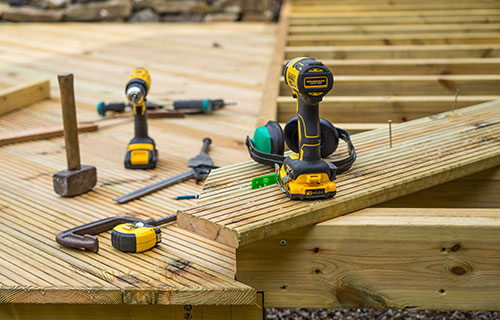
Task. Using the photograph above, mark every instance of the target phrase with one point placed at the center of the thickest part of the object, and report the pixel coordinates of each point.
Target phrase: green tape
(264, 181)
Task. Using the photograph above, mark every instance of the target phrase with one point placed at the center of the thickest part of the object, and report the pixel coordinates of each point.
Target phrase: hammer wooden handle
(69, 121)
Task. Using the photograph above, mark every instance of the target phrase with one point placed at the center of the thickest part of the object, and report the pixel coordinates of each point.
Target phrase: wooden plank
(403, 13)
(382, 258)
(479, 190)
(408, 85)
(396, 20)
(268, 107)
(413, 66)
(41, 133)
(393, 39)
(390, 29)
(468, 141)
(395, 52)
(23, 95)
(380, 2)
(437, 5)
(369, 109)
(139, 312)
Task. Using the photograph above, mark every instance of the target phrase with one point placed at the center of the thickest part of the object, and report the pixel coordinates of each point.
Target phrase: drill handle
(309, 130)
(139, 109)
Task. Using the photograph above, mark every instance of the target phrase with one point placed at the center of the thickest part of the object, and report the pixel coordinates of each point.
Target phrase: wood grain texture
(382, 258)
(426, 152)
(22, 95)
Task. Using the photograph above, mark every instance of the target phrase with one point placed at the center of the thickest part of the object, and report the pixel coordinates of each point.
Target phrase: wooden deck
(185, 62)
(399, 257)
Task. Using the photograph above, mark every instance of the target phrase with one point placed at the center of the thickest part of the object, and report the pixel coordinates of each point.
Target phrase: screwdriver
(187, 106)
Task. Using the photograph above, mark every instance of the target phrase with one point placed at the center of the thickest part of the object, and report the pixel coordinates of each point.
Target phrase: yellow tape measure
(135, 237)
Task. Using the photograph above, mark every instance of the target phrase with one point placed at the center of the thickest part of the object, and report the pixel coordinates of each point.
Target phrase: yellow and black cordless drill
(141, 151)
(305, 174)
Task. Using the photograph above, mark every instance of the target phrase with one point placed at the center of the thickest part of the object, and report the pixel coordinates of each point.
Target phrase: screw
(456, 99)
(188, 307)
(390, 133)
(282, 242)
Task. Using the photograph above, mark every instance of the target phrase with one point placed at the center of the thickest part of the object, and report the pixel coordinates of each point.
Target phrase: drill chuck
(138, 86)
(135, 95)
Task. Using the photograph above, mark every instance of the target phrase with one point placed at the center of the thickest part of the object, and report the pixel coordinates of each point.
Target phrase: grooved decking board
(426, 152)
(185, 268)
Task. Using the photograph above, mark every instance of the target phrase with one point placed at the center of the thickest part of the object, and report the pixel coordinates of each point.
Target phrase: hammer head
(70, 183)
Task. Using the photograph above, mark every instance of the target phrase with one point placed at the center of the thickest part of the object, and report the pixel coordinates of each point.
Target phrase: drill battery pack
(313, 180)
(141, 156)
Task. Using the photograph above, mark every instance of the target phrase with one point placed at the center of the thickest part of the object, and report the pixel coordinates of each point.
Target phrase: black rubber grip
(189, 104)
(141, 126)
(309, 142)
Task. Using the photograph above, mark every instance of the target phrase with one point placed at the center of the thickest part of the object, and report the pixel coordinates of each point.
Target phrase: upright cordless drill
(305, 175)
(141, 151)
